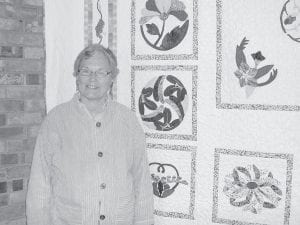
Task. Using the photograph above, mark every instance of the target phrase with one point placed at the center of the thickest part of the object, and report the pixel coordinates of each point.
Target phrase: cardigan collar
(83, 111)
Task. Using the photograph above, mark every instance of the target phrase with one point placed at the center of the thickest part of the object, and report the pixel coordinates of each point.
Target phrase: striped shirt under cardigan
(90, 171)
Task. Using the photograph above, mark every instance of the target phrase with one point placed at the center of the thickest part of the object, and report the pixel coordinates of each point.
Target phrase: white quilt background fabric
(65, 38)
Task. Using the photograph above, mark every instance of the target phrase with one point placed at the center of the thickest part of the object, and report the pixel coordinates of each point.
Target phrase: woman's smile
(92, 86)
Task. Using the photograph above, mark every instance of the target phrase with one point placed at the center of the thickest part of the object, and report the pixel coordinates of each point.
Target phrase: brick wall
(22, 102)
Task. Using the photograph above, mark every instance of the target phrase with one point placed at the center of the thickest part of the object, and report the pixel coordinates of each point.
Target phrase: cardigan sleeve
(142, 180)
(38, 201)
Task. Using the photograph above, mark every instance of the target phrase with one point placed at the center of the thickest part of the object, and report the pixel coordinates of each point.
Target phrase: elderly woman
(89, 165)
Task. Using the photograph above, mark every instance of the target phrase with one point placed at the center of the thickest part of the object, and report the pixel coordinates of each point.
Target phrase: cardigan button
(100, 154)
(102, 217)
(103, 186)
(98, 124)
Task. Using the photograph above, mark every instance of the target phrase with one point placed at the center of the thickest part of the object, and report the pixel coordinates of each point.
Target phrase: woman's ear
(116, 72)
(77, 84)
(75, 74)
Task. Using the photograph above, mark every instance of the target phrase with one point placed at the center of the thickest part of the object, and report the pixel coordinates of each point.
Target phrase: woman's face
(94, 78)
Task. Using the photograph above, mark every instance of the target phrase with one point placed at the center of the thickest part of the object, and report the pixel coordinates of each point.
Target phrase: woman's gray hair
(91, 50)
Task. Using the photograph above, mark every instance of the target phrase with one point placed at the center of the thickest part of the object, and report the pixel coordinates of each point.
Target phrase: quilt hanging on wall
(163, 80)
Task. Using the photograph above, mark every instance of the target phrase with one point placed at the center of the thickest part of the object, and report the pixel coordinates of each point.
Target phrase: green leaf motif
(181, 15)
(173, 38)
(151, 6)
(152, 29)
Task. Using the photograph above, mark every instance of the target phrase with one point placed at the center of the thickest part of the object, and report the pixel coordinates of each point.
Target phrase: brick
(32, 118)
(18, 172)
(33, 105)
(21, 145)
(2, 146)
(21, 65)
(14, 145)
(21, 158)
(33, 2)
(8, 1)
(26, 92)
(24, 118)
(29, 144)
(12, 212)
(33, 131)
(3, 187)
(17, 185)
(11, 52)
(28, 157)
(3, 176)
(19, 221)
(10, 24)
(33, 26)
(2, 119)
(17, 197)
(11, 11)
(11, 132)
(17, 38)
(3, 200)
(11, 79)
(2, 93)
(11, 105)
(34, 53)
(9, 186)
(8, 11)
(33, 79)
(28, 12)
(9, 159)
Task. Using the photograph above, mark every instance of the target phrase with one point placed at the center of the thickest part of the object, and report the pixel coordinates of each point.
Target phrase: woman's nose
(93, 76)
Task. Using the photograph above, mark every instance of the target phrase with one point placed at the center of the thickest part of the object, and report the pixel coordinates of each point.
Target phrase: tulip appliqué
(252, 189)
(249, 76)
(162, 103)
(165, 179)
(164, 23)
(290, 19)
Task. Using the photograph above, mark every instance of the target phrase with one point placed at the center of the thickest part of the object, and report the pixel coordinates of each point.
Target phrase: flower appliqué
(249, 76)
(252, 189)
(160, 35)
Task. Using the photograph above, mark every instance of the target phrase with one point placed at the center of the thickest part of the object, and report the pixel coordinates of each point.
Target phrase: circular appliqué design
(165, 179)
(163, 103)
(164, 23)
(290, 19)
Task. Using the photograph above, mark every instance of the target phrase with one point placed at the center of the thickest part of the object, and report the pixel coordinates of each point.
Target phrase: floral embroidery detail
(163, 9)
(252, 189)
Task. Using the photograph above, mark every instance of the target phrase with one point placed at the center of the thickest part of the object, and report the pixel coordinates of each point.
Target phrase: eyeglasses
(99, 74)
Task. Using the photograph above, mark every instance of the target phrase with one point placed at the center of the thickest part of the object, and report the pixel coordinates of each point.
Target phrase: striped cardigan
(90, 171)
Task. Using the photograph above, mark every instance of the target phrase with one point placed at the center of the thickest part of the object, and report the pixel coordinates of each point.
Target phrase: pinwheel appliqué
(252, 189)
(159, 35)
(249, 76)
(162, 103)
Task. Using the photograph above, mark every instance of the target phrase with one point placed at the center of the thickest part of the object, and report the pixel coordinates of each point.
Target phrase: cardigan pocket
(125, 209)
